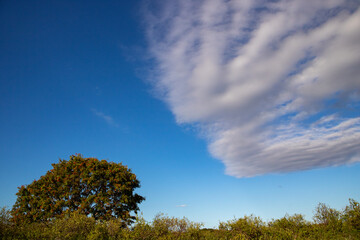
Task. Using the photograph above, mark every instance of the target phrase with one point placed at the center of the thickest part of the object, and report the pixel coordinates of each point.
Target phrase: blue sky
(221, 108)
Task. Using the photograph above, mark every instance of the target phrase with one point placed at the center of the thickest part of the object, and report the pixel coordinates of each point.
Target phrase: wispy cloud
(108, 119)
(181, 206)
(274, 86)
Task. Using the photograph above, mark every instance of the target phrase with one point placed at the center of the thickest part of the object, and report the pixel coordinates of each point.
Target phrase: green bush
(4, 222)
(74, 226)
(328, 224)
(351, 216)
(248, 227)
(288, 227)
(164, 227)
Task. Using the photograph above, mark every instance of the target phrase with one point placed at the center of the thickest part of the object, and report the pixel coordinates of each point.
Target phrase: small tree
(352, 215)
(100, 189)
(5, 226)
(326, 215)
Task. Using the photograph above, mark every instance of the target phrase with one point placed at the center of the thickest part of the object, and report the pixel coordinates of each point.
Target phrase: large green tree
(101, 189)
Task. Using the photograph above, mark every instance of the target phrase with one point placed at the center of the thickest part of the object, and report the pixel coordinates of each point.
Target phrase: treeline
(328, 223)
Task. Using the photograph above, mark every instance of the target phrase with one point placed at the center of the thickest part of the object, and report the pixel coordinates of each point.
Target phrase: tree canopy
(101, 189)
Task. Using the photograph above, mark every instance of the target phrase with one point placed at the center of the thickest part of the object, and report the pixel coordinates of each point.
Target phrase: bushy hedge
(328, 224)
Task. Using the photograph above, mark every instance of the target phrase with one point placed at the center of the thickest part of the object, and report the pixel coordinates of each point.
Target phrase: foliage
(100, 189)
(351, 215)
(326, 215)
(5, 227)
(165, 224)
(164, 227)
(84, 176)
(289, 227)
(248, 227)
(80, 226)
(328, 218)
(74, 226)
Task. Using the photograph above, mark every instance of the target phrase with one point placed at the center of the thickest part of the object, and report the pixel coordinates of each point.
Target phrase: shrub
(351, 215)
(289, 227)
(6, 227)
(73, 226)
(80, 226)
(247, 227)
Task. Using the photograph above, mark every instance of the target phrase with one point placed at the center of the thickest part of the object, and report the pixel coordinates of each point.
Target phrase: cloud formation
(274, 86)
(108, 119)
(181, 206)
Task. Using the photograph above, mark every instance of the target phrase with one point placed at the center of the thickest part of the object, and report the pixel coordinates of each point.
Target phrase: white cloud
(182, 205)
(273, 85)
(108, 119)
